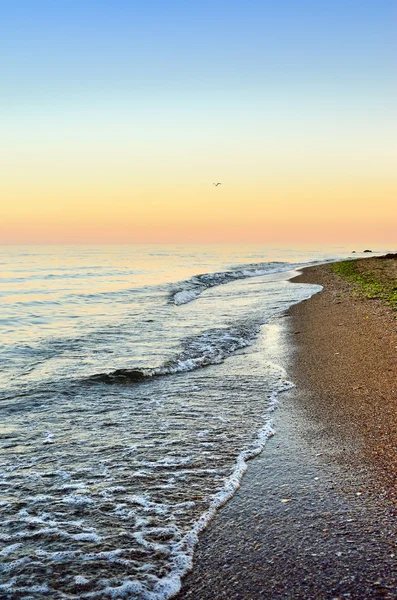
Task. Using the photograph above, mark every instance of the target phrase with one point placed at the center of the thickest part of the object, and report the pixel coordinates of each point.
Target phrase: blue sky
(63, 51)
(114, 106)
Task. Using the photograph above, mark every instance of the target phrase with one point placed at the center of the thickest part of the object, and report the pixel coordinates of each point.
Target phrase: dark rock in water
(130, 374)
(389, 255)
(120, 376)
(367, 250)
(353, 251)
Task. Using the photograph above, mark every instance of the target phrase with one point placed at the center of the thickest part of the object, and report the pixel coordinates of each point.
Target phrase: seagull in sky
(216, 184)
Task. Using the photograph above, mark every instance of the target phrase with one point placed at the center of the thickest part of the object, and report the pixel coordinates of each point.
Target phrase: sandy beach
(346, 361)
(315, 515)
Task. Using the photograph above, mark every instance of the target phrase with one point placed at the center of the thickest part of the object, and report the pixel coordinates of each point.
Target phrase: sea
(136, 384)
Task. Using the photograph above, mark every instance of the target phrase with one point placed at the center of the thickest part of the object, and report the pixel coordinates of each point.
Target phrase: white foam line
(10, 549)
(169, 586)
(192, 288)
(15, 564)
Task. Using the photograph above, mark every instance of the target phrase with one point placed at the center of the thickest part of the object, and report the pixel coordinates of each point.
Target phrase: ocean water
(135, 385)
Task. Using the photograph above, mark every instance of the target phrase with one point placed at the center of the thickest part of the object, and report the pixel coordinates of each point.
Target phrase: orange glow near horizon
(282, 181)
(299, 210)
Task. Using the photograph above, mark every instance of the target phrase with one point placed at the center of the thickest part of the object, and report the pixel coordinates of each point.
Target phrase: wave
(175, 544)
(213, 345)
(209, 348)
(181, 551)
(170, 585)
(189, 290)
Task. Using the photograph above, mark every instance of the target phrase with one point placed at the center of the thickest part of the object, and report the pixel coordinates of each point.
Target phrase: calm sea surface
(135, 383)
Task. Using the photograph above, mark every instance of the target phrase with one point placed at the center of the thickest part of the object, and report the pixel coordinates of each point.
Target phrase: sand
(315, 516)
(346, 361)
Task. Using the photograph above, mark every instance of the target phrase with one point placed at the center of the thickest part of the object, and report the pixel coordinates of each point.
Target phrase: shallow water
(132, 397)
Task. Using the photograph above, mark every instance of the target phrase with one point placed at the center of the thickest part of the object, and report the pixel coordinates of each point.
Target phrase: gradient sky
(117, 117)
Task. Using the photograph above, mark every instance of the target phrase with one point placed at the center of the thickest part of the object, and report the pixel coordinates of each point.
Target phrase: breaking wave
(189, 290)
(209, 348)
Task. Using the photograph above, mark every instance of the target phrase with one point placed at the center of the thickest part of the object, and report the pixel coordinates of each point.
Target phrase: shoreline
(353, 341)
(313, 517)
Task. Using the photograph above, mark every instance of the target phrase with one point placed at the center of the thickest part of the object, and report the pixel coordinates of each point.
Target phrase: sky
(116, 118)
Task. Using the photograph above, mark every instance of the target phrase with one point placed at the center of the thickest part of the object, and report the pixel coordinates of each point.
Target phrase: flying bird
(216, 184)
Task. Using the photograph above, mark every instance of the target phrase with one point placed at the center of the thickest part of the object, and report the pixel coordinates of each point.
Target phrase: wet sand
(315, 516)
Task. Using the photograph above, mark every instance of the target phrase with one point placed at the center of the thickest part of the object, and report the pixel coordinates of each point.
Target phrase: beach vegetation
(369, 283)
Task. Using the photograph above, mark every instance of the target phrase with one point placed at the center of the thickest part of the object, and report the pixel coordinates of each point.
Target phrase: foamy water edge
(172, 584)
(169, 586)
(182, 551)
